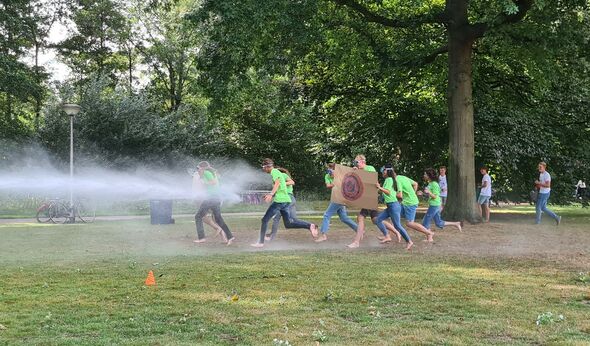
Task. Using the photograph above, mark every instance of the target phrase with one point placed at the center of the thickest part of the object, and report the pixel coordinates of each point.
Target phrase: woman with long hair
(394, 209)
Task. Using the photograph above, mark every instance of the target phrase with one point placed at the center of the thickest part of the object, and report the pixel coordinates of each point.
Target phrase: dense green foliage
(303, 82)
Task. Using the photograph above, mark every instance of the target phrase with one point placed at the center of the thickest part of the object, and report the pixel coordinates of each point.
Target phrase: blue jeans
(433, 212)
(215, 206)
(341, 210)
(393, 211)
(542, 207)
(277, 218)
(289, 221)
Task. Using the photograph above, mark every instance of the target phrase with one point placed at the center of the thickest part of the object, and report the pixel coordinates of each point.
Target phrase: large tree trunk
(461, 203)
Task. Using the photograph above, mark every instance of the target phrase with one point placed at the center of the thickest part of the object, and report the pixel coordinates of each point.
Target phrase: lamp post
(71, 110)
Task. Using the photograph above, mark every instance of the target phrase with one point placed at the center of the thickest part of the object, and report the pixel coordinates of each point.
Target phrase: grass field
(83, 284)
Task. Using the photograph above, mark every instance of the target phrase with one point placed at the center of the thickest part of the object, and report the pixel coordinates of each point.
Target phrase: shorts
(443, 200)
(409, 212)
(368, 212)
(483, 200)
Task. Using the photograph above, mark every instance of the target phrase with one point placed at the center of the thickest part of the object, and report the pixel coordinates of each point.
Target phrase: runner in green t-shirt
(434, 202)
(280, 202)
(407, 192)
(292, 207)
(393, 210)
(212, 202)
(360, 162)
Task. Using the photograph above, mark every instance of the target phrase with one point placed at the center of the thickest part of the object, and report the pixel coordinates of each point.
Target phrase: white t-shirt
(442, 182)
(486, 191)
(544, 178)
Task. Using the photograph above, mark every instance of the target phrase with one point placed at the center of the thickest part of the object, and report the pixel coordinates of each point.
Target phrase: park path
(139, 217)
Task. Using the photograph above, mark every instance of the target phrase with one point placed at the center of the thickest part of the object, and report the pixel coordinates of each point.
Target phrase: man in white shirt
(442, 182)
(483, 202)
(544, 186)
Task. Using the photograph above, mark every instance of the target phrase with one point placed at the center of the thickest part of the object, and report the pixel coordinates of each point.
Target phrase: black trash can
(161, 212)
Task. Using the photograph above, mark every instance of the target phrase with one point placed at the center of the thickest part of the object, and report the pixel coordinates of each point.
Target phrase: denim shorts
(483, 200)
(409, 212)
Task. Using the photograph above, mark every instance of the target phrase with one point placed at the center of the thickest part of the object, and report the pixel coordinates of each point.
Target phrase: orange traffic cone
(150, 280)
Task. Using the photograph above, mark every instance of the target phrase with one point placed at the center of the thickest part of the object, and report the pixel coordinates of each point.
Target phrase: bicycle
(57, 210)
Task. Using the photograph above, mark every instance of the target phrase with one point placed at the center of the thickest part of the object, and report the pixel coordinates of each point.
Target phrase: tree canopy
(312, 81)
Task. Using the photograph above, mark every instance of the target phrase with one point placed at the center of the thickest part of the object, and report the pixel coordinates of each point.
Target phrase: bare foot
(222, 235)
(267, 237)
(321, 238)
(429, 238)
(460, 226)
(399, 238)
(409, 245)
(314, 230)
(380, 237)
(353, 245)
(385, 240)
(200, 240)
(257, 245)
(229, 241)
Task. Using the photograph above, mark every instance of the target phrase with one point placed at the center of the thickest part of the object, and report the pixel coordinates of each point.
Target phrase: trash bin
(161, 212)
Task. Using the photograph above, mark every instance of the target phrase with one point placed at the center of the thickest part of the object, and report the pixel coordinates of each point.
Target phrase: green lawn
(83, 284)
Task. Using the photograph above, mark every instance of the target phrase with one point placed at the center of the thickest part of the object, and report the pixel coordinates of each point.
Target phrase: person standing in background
(544, 185)
(483, 202)
(442, 182)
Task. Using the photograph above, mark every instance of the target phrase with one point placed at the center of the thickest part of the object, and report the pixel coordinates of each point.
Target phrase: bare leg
(480, 211)
(392, 229)
(455, 224)
(487, 207)
(418, 227)
(209, 221)
(360, 220)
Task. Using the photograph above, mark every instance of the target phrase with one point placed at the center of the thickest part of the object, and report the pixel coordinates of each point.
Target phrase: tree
(169, 46)
(280, 37)
(92, 49)
(19, 83)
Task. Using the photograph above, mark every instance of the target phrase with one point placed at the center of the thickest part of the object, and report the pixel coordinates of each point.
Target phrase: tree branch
(480, 29)
(371, 16)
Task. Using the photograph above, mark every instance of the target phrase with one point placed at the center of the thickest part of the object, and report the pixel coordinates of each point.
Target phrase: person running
(544, 185)
(333, 208)
(360, 162)
(410, 201)
(208, 178)
(292, 207)
(280, 202)
(434, 203)
(196, 186)
(483, 202)
(442, 181)
(393, 210)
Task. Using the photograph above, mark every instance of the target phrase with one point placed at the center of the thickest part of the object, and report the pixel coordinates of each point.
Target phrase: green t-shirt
(289, 187)
(434, 189)
(388, 185)
(281, 196)
(404, 184)
(207, 177)
(369, 168)
(328, 179)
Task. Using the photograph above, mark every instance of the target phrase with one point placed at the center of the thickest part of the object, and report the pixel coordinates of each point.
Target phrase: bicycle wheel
(85, 212)
(43, 215)
(59, 212)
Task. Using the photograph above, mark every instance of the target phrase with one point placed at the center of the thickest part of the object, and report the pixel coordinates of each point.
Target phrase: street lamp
(71, 110)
